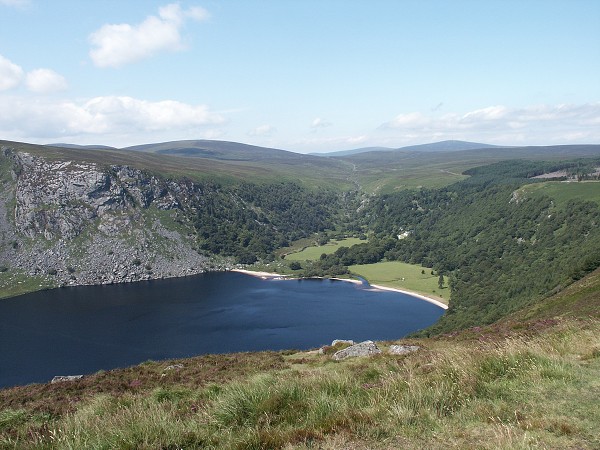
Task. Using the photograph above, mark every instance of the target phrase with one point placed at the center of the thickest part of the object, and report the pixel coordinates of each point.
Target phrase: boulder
(61, 378)
(403, 349)
(366, 348)
(342, 341)
(335, 342)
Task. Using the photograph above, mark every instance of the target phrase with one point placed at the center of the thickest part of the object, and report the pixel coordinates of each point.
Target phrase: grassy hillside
(385, 172)
(562, 192)
(514, 384)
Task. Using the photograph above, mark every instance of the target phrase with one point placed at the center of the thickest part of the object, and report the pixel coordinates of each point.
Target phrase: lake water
(84, 329)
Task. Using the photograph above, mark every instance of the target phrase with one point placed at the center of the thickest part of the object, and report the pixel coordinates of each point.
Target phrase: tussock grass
(514, 392)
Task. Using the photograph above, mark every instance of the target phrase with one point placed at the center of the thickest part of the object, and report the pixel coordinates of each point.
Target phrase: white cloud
(44, 81)
(115, 45)
(263, 130)
(410, 120)
(110, 116)
(534, 124)
(320, 123)
(10, 74)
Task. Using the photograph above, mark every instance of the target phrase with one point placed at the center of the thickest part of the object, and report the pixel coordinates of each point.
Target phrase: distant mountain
(220, 161)
(404, 158)
(447, 146)
(221, 150)
(443, 146)
(354, 151)
(82, 147)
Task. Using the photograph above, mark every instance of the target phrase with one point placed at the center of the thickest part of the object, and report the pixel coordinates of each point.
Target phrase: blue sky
(305, 76)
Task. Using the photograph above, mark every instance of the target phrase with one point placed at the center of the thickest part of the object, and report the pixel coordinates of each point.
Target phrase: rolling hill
(372, 169)
(216, 161)
(223, 150)
(442, 146)
(389, 171)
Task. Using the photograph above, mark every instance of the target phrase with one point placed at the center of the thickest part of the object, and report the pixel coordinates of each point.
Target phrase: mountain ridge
(440, 146)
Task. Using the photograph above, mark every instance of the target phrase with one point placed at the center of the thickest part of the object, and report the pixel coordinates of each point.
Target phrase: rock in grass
(336, 344)
(403, 349)
(61, 378)
(366, 348)
(342, 341)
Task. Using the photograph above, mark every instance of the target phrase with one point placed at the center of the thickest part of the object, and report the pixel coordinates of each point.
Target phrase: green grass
(313, 253)
(385, 180)
(13, 283)
(562, 192)
(401, 275)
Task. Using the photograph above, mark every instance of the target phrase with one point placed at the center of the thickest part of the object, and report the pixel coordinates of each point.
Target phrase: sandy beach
(263, 275)
(270, 275)
(412, 294)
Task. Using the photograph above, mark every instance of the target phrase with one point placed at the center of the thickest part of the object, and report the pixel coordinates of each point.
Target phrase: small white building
(403, 235)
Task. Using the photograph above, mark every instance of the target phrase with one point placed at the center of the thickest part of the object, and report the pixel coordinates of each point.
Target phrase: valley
(515, 257)
(281, 225)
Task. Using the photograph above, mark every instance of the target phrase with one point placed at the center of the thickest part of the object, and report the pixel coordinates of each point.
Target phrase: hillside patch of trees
(498, 253)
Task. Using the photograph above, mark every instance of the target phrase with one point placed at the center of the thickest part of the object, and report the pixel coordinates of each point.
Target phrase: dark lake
(83, 329)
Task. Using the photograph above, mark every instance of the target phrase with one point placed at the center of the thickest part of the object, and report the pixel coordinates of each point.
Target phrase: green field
(314, 252)
(13, 283)
(401, 275)
(562, 192)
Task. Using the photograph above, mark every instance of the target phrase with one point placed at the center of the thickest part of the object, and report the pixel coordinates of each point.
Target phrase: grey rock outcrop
(366, 348)
(63, 378)
(342, 341)
(78, 223)
(59, 198)
(403, 349)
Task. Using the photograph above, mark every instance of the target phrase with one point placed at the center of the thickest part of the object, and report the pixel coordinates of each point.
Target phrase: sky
(300, 75)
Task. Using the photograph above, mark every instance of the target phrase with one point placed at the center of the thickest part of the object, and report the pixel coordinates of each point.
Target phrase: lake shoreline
(270, 275)
(213, 313)
(411, 293)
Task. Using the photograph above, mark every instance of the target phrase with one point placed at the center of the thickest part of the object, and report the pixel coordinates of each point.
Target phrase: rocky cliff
(80, 222)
